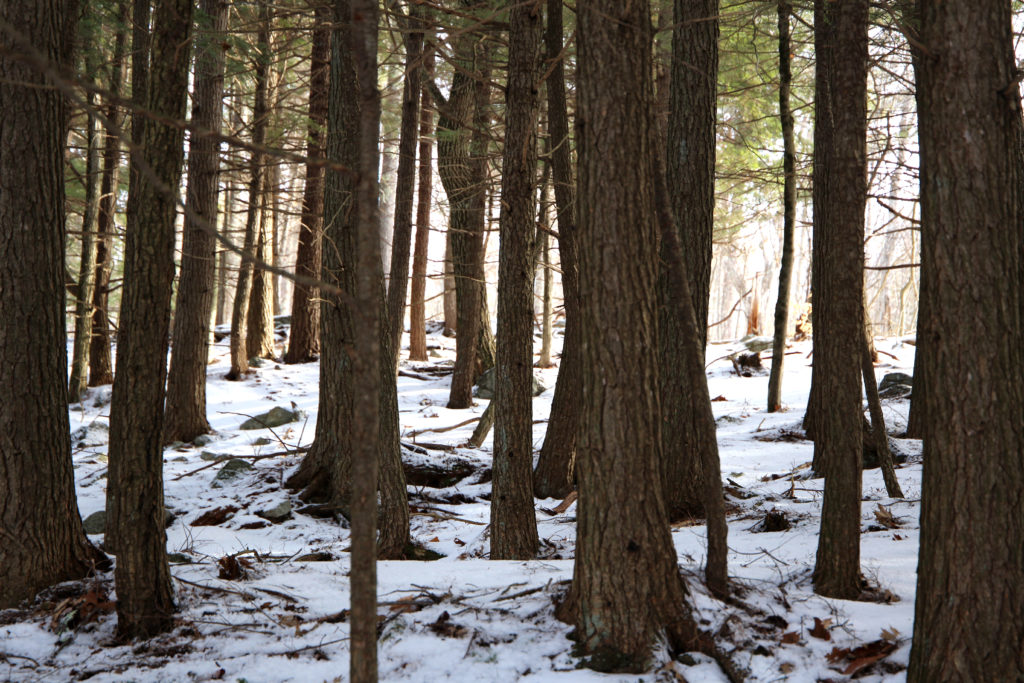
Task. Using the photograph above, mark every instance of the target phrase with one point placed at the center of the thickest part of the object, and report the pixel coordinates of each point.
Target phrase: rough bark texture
(417, 305)
(304, 339)
(691, 143)
(840, 193)
(554, 475)
(326, 472)
(785, 10)
(101, 369)
(451, 316)
(259, 335)
(879, 436)
(145, 597)
(405, 187)
(240, 311)
(543, 251)
(513, 519)
(367, 357)
(626, 582)
(185, 410)
(691, 182)
(461, 163)
(87, 270)
(969, 613)
(40, 530)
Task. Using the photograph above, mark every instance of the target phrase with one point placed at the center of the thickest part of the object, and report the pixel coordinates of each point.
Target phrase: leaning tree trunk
(259, 335)
(691, 175)
(145, 598)
(185, 411)
(969, 612)
(85, 290)
(401, 236)
(304, 339)
(513, 518)
(840, 194)
(626, 584)
(785, 9)
(417, 305)
(42, 544)
(246, 267)
(555, 475)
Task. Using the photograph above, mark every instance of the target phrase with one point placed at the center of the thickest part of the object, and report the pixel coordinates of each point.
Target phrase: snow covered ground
(464, 617)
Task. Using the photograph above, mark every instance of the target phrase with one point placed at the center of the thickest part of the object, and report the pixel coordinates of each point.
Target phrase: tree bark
(240, 311)
(185, 411)
(451, 316)
(785, 10)
(840, 194)
(368, 357)
(405, 184)
(555, 472)
(145, 602)
(547, 279)
(691, 177)
(626, 582)
(417, 305)
(878, 433)
(42, 543)
(304, 340)
(969, 612)
(513, 518)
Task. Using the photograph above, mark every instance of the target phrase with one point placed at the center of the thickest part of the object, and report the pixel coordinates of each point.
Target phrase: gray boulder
(230, 471)
(275, 417)
(895, 384)
(93, 434)
(277, 514)
(96, 523)
(485, 386)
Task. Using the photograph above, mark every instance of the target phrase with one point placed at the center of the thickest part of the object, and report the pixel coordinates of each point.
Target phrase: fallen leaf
(890, 634)
(720, 398)
(787, 667)
(885, 518)
(435, 539)
(837, 655)
(820, 629)
(459, 541)
(215, 516)
(790, 638)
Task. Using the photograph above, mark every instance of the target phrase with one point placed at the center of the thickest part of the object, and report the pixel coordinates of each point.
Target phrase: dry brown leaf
(787, 667)
(885, 518)
(790, 638)
(719, 398)
(890, 634)
(837, 655)
(820, 629)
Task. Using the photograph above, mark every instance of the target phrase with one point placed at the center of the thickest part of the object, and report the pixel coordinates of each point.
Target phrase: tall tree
(969, 613)
(145, 597)
(691, 177)
(462, 165)
(185, 411)
(513, 518)
(555, 472)
(626, 584)
(405, 185)
(840, 194)
(304, 339)
(42, 543)
(368, 356)
(785, 11)
(417, 304)
(101, 369)
(243, 288)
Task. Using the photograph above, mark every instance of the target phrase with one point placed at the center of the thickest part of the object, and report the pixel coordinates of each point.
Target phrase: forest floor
(282, 615)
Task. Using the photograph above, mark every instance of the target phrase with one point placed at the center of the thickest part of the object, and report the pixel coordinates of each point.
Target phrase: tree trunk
(969, 613)
(547, 286)
(367, 357)
(691, 166)
(513, 518)
(401, 237)
(691, 139)
(246, 268)
(101, 369)
(145, 602)
(326, 473)
(461, 161)
(222, 255)
(42, 544)
(554, 475)
(87, 272)
(185, 411)
(878, 433)
(417, 305)
(304, 340)
(785, 9)
(626, 583)
(840, 194)
(259, 336)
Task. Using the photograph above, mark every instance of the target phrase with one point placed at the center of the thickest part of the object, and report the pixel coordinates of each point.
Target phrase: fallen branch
(299, 449)
(444, 429)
